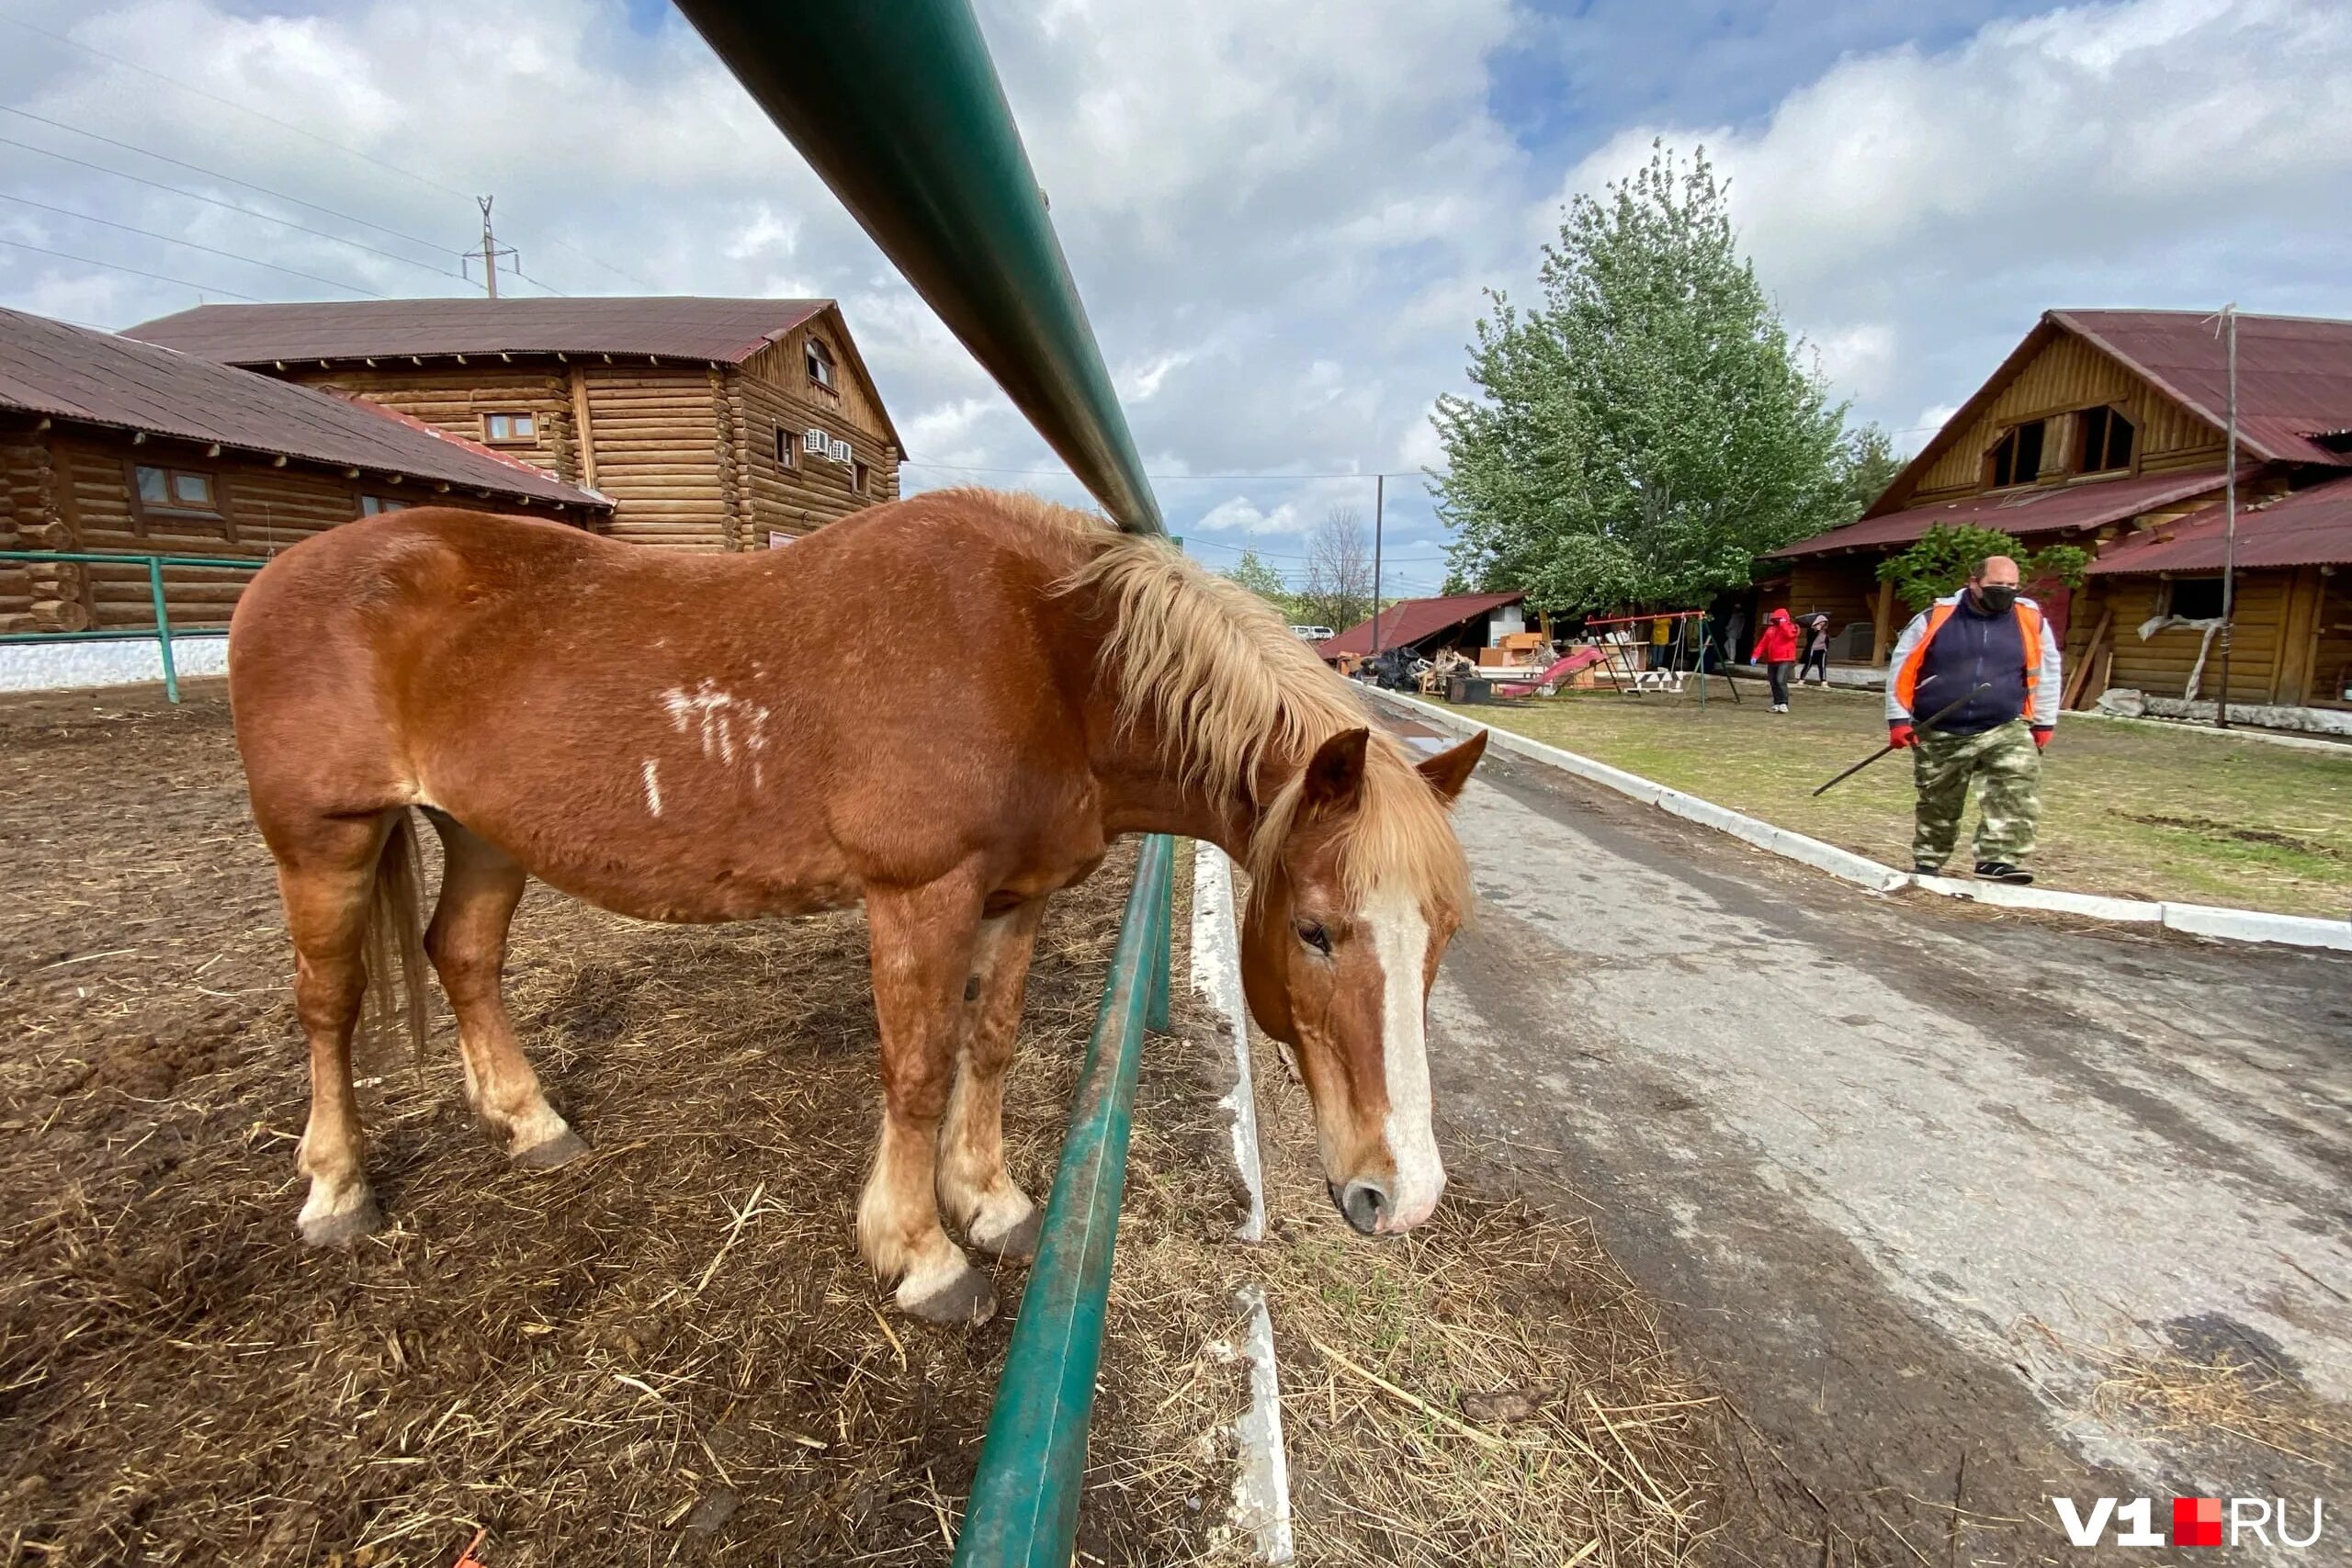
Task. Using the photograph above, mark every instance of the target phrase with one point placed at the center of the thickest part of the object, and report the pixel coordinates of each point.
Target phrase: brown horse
(692, 737)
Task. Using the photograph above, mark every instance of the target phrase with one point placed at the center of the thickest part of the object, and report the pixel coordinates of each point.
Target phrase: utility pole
(491, 249)
(2229, 520)
(1379, 494)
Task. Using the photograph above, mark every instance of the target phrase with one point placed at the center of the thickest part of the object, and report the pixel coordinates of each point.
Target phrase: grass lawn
(2127, 809)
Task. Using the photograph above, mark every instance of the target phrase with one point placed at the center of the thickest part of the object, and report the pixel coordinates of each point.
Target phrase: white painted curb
(2195, 919)
(1216, 975)
(1261, 1484)
(1262, 1478)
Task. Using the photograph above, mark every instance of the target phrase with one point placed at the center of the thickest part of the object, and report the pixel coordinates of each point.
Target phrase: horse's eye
(1312, 933)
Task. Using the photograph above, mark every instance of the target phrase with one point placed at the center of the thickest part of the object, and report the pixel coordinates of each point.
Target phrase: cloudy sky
(1281, 215)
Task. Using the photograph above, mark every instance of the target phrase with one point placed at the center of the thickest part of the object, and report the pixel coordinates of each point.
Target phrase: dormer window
(821, 364)
(2016, 458)
(2107, 442)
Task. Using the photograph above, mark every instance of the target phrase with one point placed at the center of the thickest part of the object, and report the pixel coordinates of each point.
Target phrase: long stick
(1929, 724)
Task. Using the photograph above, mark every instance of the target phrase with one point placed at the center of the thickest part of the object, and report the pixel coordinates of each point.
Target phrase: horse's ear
(1450, 770)
(1335, 774)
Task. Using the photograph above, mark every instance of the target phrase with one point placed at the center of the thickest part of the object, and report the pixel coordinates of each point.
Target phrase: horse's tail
(396, 939)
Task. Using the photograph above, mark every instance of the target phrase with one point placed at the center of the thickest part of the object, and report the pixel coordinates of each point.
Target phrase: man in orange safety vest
(1992, 652)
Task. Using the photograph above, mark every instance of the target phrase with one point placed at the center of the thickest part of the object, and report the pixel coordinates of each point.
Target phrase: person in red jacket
(1776, 649)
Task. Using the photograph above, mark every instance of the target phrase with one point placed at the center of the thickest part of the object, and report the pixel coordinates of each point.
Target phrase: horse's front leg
(922, 949)
(978, 1191)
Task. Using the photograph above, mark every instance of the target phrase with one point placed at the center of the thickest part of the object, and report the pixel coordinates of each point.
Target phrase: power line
(231, 103)
(230, 206)
(549, 287)
(215, 174)
(117, 267)
(425, 180)
(191, 244)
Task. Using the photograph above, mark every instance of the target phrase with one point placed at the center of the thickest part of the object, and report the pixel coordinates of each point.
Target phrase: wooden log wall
(27, 521)
(453, 396)
(2331, 658)
(805, 492)
(2066, 375)
(2260, 651)
(267, 508)
(662, 454)
(1845, 586)
(853, 401)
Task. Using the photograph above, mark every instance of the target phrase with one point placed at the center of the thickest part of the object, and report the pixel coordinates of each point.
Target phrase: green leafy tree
(1263, 581)
(1646, 430)
(1867, 465)
(1945, 554)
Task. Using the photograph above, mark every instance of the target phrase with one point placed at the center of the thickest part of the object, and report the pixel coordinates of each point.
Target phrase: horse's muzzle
(1364, 1204)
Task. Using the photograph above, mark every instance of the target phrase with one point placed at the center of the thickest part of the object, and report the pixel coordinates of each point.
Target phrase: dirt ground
(670, 1352)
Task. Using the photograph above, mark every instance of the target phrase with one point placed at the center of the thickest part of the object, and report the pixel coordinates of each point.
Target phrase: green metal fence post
(163, 628)
(1155, 1013)
(1024, 1509)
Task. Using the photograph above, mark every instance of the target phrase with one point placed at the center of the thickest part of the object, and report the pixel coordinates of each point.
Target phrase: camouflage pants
(2009, 805)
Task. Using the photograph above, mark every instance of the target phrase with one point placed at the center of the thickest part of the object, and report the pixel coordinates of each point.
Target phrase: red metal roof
(71, 373)
(2294, 372)
(2308, 527)
(2043, 509)
(1413, 619)
(721, 331)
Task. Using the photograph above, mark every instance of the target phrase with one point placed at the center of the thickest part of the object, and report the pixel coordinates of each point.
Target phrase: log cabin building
(712, 425)
(2106, 429)
(110, 445)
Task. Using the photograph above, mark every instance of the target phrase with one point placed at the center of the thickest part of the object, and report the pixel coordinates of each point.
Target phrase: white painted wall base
(126, 661)
(1216, 975)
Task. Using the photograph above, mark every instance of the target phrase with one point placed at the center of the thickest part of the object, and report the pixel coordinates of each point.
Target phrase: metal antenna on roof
(491, 249)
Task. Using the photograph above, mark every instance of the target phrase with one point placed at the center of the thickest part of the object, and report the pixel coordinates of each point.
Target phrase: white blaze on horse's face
(1343, 977)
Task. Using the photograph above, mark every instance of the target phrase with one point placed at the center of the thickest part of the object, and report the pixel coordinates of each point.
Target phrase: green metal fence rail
(161, 631)
(1023, 1508)
(897, 107)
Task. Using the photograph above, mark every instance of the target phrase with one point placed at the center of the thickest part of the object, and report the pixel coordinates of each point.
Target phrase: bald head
(1995, 571)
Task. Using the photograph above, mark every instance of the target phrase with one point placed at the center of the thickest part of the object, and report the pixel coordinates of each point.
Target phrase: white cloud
(1916, 212)
(1281, 225)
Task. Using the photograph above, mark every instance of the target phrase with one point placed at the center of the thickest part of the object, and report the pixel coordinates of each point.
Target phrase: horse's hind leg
(980, 1193)
(326, 874)
(923, 943)
(480, 885)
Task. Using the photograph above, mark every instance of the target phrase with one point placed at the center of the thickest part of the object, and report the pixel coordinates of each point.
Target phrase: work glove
(2041, 734)
(1901, 737)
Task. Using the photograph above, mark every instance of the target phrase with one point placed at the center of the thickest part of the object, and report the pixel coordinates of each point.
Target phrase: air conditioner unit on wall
(840, 452)
(814, 442)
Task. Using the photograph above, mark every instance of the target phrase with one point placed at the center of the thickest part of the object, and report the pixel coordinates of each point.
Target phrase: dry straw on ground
(670, 1352)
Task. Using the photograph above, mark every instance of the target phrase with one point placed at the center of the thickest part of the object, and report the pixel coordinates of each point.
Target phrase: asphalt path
(1955, 1206)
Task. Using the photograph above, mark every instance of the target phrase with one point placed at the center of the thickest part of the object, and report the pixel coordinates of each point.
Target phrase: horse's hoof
(1019, 1245)
(967, 1300)
(341, 1229)
(561, 1149)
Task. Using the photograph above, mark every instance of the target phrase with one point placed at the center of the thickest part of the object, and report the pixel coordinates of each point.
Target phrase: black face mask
(1997, 597)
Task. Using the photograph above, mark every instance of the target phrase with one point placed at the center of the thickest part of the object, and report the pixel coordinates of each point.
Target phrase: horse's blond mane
(1246, 702)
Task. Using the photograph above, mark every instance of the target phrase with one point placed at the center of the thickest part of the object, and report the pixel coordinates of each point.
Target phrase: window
(370, 505)
(786, 441)
(2195, 599)
(510, 429)
(821, 364)
(2017, 459)
(176, 490)
(2107, 442)
(857, 478)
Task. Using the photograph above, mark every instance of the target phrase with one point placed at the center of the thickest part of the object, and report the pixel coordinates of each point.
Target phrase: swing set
(1624, 674)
